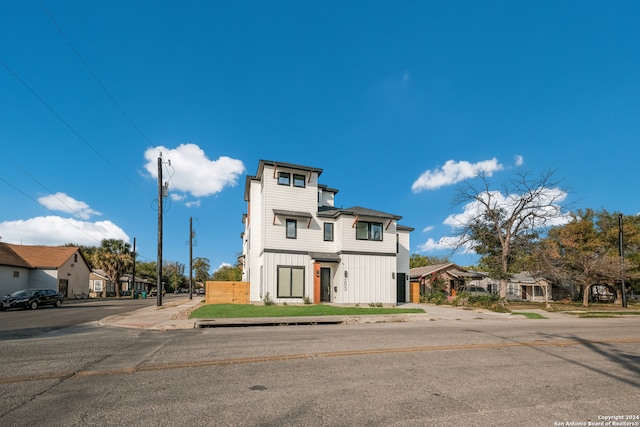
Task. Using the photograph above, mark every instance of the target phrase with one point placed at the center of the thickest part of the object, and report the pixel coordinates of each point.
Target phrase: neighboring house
(524, 286)
(297, 245)
(451, 275)
(100, 285)
(62, 268)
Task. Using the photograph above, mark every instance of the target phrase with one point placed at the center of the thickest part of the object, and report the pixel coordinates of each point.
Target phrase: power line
(64, 219)
(71, 128)
(74, 211)
(95, 77)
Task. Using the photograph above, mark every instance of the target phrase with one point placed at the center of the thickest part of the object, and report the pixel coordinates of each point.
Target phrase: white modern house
(297, 245)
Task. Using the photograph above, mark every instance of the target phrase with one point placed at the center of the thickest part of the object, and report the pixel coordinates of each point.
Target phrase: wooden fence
(227, 292)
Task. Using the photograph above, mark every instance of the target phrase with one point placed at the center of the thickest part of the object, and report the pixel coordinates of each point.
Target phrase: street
(19, 323)
(465, 373)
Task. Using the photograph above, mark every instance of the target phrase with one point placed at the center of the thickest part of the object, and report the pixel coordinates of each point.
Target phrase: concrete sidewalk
(174, 315)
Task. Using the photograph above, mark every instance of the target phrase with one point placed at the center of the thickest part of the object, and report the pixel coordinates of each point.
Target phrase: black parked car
(31, 298)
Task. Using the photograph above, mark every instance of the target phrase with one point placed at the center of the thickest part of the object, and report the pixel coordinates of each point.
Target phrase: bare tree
(502, 225)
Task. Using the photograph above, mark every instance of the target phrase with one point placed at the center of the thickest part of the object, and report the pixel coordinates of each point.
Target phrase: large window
(290, 282)
(328, 232)
(292, 229)
(284, 178)
(368, 230)
(298, 180)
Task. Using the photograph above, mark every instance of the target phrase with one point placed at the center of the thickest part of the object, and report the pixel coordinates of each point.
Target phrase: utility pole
(159, 261)
(133, 272)
(190, 257)
(620, 240)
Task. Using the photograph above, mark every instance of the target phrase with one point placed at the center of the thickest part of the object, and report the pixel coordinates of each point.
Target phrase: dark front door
(63, 287)
(401, 287)
(325, 284)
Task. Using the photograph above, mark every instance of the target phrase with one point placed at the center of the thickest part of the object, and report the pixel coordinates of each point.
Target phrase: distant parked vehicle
(125, 293)
(154, 292)
(32, 299)
(200, 291)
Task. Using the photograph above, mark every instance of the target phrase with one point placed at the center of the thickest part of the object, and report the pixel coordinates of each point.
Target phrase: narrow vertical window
(292, 226)
(284, 178)
(298, 180)
(328, 232)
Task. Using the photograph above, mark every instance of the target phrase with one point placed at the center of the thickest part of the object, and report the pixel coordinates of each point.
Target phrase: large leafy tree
(417, 260)
(173, 275)
(228, 272)
(201, 268)
(502, 225)
(585, 251)
(148, 270)
(115, 258)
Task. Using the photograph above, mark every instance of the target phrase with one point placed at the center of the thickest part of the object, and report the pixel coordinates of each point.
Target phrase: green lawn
(214, 311)
(529, 315)
(601, 314)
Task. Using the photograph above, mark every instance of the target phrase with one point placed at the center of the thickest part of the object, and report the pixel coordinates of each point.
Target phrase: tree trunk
(585, 296)
(503, 289)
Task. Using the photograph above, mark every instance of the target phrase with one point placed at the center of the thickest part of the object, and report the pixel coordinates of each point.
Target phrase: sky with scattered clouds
(398, 102)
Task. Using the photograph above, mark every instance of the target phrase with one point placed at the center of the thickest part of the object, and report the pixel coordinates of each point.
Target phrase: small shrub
(266, 300)
(375, 304)
(306, 300)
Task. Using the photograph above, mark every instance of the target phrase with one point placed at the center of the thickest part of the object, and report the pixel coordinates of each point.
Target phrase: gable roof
(333, 212)
(10, 258)
(451, 268)
(44, 256)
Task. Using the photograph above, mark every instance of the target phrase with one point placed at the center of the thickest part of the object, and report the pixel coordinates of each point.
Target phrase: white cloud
(446, 243)
(67, 204)
(427, 229)
(519, 160)
(55, 230)
(224, 264)
(453, 172)
(195, 203)
(191, 170)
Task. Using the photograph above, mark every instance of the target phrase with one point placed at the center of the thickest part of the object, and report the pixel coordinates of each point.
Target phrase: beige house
(451, 275)
(61, 268)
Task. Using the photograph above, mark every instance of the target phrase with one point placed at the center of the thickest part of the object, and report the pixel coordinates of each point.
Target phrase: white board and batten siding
(274, 260)
(368, 279)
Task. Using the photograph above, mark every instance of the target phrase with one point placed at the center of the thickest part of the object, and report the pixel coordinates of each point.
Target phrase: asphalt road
(434, 373)
(19, 323)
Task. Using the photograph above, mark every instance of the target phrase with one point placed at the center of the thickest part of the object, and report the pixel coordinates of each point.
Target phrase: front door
(401, 287)
(325, 284)
(63, 287)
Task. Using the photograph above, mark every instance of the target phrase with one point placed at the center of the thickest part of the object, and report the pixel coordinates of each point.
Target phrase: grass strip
(226, 311)
(530, 315)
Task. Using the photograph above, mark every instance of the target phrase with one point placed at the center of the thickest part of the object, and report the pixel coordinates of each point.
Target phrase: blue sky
(395, 101)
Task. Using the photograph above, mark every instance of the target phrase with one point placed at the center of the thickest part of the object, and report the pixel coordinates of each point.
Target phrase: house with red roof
(61, 268)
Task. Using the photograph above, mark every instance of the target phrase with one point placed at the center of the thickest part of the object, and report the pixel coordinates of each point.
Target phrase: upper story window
(292, 229)
(328, 232)
(284, 178)
(298, 180)
(16, 274)
(368, 230)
